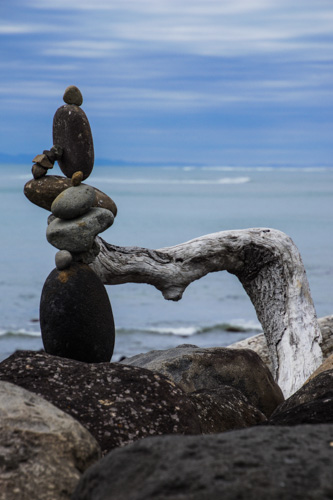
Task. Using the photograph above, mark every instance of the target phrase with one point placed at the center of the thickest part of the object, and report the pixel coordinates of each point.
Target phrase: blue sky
(216, 82)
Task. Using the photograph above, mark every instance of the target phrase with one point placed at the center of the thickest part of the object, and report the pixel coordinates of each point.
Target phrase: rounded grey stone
(73, 202)
(63, 259)
(73, 95)
(77, 235)
(43, 450)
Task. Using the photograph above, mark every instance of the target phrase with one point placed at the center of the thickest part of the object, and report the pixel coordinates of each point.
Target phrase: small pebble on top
(77, 178)
(63, 259)
(73, 95)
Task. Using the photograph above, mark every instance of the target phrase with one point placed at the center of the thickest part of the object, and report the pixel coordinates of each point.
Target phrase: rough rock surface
(77, 235)
(42, 192)
(258, 342)
(43, 451)
(224, 409)
(324, 367)
(311, 404)
(194, 368)
(71, 131)
(76, 317)
(117, 404)
(260, 463)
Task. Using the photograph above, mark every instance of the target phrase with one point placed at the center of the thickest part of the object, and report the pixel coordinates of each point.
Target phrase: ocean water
(160, 207)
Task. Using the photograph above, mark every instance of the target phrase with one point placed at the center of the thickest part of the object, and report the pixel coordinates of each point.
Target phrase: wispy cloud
(218, 28)
(24, 29)
(143, 61)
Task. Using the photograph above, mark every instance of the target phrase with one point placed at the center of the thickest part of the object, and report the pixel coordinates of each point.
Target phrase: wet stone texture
(71, 131)
(260, 463)
(224, 409)
(42, 192)
(118, 404)
(76, 316)
(194, 368)
(311, 404)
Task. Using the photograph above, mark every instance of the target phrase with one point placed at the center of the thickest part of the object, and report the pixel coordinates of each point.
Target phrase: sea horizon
(164, 206)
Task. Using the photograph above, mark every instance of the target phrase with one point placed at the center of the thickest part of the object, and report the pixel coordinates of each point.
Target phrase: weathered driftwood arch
(270, 268)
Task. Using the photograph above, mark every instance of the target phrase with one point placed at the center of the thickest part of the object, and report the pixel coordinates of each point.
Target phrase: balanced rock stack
(75, 312)
(76, 221)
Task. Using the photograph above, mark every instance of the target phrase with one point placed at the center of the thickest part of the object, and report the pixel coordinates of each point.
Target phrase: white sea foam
(238, 325)
(21, 332)
(183, 331)
(145, 181)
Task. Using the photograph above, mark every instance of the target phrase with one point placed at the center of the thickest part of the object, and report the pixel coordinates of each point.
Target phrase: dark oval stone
(71, 131)
(76, 316)
(42, 192)
(73, 95)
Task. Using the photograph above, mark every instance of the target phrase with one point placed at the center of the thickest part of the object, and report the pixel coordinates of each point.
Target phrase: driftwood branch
(270, 268)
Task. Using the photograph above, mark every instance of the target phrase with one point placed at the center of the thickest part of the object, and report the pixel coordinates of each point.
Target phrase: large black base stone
(75, 315)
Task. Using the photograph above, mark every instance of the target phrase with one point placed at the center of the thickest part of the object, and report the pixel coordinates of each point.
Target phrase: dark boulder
(117, 404)
(224, 409)
(42, 192)
(311, 404)
(76, 317)
(71, 131)
(260, 463)
(194, 368)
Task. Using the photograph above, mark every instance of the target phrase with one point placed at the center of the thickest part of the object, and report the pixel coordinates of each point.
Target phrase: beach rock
(73, 202)
(57, 151)
(63, 259)
(77, 178)
(42, 192)
(259, 463)
(324, 367)
(326, 328)
(258, 343)
(87, 257)
(43, 451)
(224, 409)
(76, 317)
(118, 404)
(71, 131)
(77, 235)
(73, 95)
(38, 171)
(194, 368)
(50, 154)
(43, 161)
(311, 404)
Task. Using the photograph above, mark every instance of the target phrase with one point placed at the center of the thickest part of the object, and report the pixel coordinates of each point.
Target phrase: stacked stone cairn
(75, 312)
